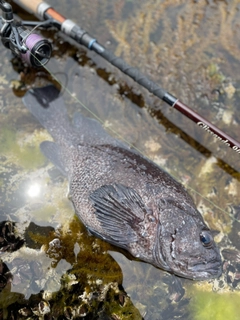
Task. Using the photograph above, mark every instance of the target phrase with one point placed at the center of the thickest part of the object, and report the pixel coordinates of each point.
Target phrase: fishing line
(74, 97)
(40, 24)
(46, 12)
(36, 51)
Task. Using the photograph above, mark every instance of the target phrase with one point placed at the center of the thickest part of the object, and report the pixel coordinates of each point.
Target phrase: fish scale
(123, 197)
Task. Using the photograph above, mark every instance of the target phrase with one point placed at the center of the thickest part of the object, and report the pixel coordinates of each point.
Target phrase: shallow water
(61, 272)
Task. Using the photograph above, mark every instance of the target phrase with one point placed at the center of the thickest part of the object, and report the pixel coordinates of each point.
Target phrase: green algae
(214, 306)
(93, 285)
(44, 213)
(94, 278)
(31, 157)
(215, 74)
(27, 156)
(92, 261)
(7, 140)
(36, 236)
(7, 298)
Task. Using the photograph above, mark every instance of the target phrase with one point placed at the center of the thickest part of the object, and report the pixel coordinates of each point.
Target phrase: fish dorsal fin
(119, 209)
(91, 131)
(52, 151)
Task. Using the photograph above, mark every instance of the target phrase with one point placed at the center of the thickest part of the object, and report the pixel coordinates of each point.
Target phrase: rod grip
(31, 6)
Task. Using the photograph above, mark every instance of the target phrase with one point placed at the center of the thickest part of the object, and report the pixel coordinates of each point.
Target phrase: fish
(123, 197)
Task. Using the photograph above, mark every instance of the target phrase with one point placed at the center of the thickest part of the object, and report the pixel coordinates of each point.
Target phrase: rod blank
(70, 28)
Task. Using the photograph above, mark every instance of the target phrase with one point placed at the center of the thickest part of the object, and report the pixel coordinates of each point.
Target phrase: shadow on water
(51, 268)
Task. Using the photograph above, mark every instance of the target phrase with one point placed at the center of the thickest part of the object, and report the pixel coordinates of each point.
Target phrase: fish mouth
(203, 271)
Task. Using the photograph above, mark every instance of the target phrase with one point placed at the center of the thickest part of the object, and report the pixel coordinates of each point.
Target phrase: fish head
(185, 245)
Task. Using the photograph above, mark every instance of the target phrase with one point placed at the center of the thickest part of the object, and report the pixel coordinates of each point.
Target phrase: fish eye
(206, 238)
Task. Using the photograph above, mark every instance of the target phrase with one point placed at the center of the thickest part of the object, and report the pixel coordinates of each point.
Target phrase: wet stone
(231, 267)
(31, 233)
(9, 241)
(5, 275)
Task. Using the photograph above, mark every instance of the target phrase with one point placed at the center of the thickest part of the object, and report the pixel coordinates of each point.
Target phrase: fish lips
(196, 268)
(204, 271)
(201, 272)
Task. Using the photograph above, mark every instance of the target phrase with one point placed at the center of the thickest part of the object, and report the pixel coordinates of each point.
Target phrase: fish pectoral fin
(108, 238)
(52, 151)
(119, 209)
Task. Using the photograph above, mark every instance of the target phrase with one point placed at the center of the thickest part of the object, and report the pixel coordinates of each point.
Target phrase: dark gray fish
(123, 197)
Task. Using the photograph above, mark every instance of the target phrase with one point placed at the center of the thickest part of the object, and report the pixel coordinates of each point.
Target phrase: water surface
(61, 272)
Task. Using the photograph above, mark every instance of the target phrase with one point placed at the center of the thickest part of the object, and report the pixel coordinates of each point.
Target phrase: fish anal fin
(52, 151)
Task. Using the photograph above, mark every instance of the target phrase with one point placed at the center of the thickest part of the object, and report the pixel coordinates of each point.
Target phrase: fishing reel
(30, 47)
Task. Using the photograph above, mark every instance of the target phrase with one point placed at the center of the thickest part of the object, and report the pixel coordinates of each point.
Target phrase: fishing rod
(46, 12)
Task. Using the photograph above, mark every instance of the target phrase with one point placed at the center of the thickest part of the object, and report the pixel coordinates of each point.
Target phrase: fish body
(123, 197)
